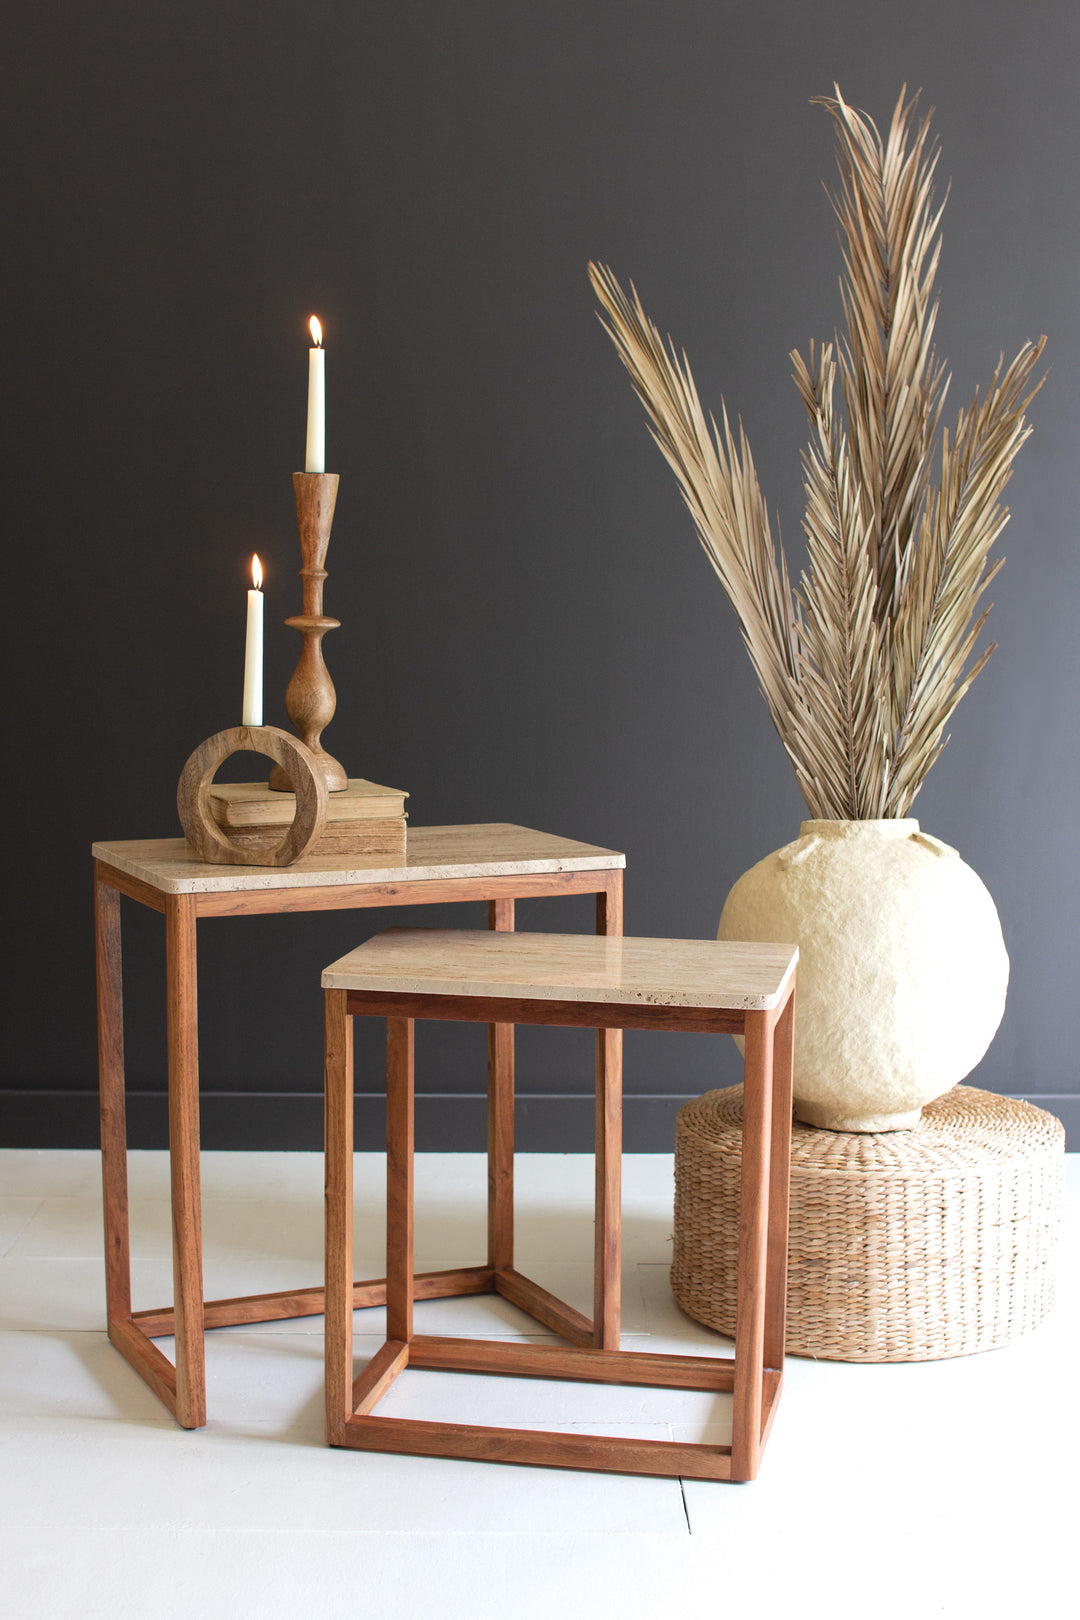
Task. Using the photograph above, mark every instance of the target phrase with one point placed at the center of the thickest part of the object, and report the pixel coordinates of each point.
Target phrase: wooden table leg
(609, 904)
(500, 1121)
(110, 1013)
(608, 1232)
(338, 1170)
(400, 1051)
(779, 1187)
(753, 1234)
(183, 1044)
(607, 1280)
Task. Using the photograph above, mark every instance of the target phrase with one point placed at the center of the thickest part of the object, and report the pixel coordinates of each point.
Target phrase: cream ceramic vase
(902, 967)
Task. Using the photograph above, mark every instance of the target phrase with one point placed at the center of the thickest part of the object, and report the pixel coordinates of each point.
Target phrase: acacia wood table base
(609, 985)
(492, 862)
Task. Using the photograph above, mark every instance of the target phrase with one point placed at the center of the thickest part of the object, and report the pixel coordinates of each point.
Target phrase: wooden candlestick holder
(310, 699)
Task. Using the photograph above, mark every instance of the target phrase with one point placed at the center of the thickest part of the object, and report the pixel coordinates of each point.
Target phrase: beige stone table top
(485, 849)
(566, 967)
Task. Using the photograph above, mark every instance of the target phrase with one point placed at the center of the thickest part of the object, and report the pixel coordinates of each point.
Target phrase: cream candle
(315, 457)
(253, 650)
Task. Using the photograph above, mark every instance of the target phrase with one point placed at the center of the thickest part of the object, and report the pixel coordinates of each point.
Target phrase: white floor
(945, 1488)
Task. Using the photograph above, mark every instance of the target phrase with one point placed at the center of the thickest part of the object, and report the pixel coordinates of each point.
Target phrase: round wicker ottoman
(905, 1245)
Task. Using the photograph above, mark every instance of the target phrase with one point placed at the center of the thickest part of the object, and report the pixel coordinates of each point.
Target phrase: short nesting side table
(493, 862)
(708, 987)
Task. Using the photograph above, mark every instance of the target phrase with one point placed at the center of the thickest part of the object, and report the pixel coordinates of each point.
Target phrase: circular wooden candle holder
(298, 767)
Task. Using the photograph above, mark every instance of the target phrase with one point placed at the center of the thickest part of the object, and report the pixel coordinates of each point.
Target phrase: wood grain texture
(382, 841)
(356, 896)
(338, 1242)
(290, 1302)
(498, 1357)
(132, 888)
(310, 699)
(753, 1244)
(779, 1185)
(564, 1014)
(182, 1035)
(755, 1386)
(544, 1307)
(447, 1284)
(390, 1359)
(215, 844)
(152, 1367)
(609, 905)
(772, 1384)
(500, 1120)
(607, 1258)
(500, 1145)
(491, 862)
(400, 1065)
(110, 1023)
(246, 805)
(613, 1455)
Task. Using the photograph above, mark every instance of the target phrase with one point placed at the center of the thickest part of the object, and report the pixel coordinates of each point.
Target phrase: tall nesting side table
(693, 986)
(494, 862)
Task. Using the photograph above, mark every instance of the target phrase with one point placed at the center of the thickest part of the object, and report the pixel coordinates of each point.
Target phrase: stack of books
(363, 820)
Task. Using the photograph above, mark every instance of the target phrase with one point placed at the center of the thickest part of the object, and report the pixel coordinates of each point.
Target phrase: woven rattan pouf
(905, 1245)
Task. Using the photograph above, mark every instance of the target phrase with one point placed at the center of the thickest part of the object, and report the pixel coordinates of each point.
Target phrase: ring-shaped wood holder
(299, 764)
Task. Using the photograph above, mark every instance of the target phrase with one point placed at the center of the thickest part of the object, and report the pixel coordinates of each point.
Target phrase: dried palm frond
(864, 663)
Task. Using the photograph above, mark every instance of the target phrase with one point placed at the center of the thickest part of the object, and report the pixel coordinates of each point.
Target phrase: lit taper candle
(253, 650)
(315, 457)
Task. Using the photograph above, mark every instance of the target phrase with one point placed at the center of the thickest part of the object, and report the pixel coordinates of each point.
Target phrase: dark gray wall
(531, 632)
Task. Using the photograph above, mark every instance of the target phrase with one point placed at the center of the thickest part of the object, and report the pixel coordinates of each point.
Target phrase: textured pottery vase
(902, 967)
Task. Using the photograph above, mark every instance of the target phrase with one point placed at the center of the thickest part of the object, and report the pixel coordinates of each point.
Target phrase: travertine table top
(565, 967)
(484, 849)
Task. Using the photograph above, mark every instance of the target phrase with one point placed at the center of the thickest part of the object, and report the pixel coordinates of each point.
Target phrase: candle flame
(256, 572)
(316, 330)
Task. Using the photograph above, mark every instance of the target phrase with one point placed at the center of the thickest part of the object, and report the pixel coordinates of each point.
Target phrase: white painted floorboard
(944, 1488)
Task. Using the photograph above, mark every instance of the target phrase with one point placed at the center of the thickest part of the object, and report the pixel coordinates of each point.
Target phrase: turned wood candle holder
(310, 699)
(301, 774)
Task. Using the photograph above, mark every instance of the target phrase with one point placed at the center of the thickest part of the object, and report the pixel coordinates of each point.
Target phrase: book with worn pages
(239, 805)
(364, 819)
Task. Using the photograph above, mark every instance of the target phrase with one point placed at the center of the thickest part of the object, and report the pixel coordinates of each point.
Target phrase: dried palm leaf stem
(863, 663)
